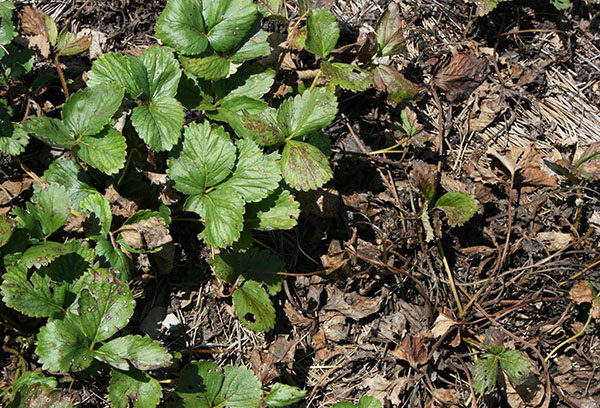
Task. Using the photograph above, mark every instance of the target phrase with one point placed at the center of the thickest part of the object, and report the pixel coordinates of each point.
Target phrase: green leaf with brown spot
(304, 167)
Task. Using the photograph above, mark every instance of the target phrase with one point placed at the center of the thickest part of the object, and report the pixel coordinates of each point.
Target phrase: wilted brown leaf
(422, 177)
(352, 304)
(120, 206)
(459, 75)
(413, 349)
(263, 365)
(398, 88)
(12, 188)
(581, 292)
(295, 317)
(33, 22)
(147, 234)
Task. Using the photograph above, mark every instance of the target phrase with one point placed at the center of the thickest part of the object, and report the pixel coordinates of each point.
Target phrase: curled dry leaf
(460, 75)
(353, 305)
(120, 206)
(581, 292)
(413, 349)
(33, 26)
(147, 234)
(263, 365)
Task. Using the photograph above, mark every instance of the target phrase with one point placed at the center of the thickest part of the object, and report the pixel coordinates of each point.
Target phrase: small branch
(61, 76)
(450, 277)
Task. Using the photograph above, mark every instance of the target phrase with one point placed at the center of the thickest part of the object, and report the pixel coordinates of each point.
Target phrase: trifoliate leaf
(228, 22)
(206, 159)
(390, 40)
(62, 347)
(181, 26)
(322, 32)
(279, 211)
(105, 151)
(485, 372)
(283, 395)
(13, 138)
(389, 80)
(307, 113)
(88, 111)
(42, 254)
(515, 365)
(253, 306)
(36, 296)
(347, 76)
(51, 131)
(248, 83)
(458, 206)
(223, 213)
(113, 258)
(68, 174)
(6, 229)
(40, 395)
(103, 307)
(256, 175)
(159, 123)
(134, 389)
(99, 208)
(257, 46)
(162, 73)
(203, 384)
(260, 266)
(262, 127)
(143, 352)
(304, 167)
(124, 69)
(211, 67)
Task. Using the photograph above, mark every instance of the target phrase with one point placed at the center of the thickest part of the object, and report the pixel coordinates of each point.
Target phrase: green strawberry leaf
(253, 306)
(347, 76)
(322, 32)
(211, 67)
(63, 347)
(390, 40)
(102, 308)
(40, 395)
(89, 110)
(105, 151)
(304, 167)
(389, 80)
(560, 4)
(99, 208)
(113, 258)
(250, 82)
(120, 68)
(307, 113)
(162, 73)
(181, 27)
(223, 213)
(262, 127)
(228, 22)
(37, 296)
(7, 29)
(364, 402)
(204, 384)
(68, 44)
(279, 211)
(30, 378)
(133, 389)
(6, 229)
(13, 138)
(194, 93)
(256, 47)
(144, 353)
(485, 373)
(68, 174)
(282, 395)
(515, 365)
(159, 123)
(50, 131)
(257, 266)
(49, 206)
(44, 253)
(256, 175)
(458, 206)
(207, 158)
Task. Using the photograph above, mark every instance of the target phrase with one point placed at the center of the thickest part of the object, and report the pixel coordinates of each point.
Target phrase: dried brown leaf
(422, 177)
(352, 304)
(263, 365)
(413, 349)
(296, 317)
(581, 292)
(33, 22)
(460, 75)
(147, 234)
(10, 189)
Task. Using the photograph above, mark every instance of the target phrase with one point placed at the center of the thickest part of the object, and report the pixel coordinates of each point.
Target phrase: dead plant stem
(450, 277)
